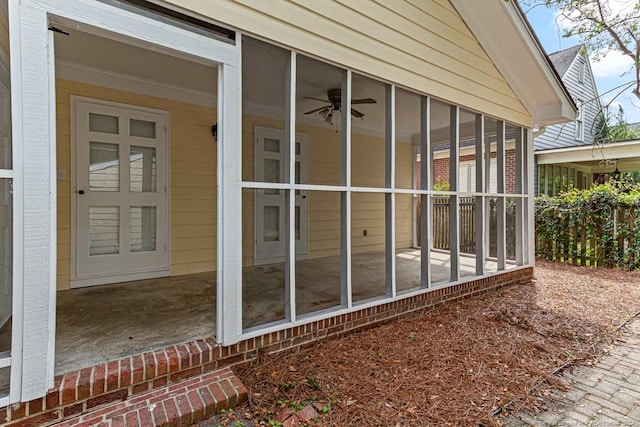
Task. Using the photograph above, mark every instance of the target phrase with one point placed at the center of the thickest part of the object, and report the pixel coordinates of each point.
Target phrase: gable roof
(504, 31)
(563, 59)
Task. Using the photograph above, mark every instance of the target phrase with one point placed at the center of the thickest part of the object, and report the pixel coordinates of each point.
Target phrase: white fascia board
(504, 34)
(620, 150)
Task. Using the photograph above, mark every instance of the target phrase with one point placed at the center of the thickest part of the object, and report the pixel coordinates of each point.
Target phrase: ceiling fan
(334, 100)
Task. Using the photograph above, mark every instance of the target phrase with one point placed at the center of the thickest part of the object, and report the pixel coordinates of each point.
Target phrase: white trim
(229, 196)
(33, 96)
(6, 174)
(615, 150)
(109, 79)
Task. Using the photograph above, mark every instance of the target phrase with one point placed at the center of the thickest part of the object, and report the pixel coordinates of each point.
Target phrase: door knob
(80, 191)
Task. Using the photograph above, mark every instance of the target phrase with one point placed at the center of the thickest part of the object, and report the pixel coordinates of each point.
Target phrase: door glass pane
(103, 123)
(104, 230)
(143, 228)
(272, 145)
(271, 224)
(6, 260)
(271, 173)
(104, 167)
(297, 177)
(5, 127)
(142, 169)
(142, 128)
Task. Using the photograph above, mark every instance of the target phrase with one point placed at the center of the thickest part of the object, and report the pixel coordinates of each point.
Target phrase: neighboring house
(240, 177)
(565, 153)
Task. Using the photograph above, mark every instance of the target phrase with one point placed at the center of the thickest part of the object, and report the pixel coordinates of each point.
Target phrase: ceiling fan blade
(357, 114)
(315, 111)
(363, 101)
(317, 99)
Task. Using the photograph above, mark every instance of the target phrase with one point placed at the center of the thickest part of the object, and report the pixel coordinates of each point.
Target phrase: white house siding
(564, 135)
(424, 46)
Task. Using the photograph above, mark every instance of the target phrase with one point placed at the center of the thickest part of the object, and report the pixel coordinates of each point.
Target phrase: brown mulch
(465, 363)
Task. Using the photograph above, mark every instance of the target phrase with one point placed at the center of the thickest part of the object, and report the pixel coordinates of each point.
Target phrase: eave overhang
(505, 34)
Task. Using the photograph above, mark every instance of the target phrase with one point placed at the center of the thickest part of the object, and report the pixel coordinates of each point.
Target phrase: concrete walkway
(607, 394)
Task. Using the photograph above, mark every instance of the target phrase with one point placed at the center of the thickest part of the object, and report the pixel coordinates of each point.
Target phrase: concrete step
(180, 404)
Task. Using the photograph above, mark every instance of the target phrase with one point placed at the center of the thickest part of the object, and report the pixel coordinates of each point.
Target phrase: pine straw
(459, 363)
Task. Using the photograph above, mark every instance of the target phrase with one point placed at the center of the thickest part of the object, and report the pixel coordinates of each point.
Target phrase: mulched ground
(466, 363)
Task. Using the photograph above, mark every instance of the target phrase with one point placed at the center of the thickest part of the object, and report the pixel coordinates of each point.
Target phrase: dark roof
(562, 59)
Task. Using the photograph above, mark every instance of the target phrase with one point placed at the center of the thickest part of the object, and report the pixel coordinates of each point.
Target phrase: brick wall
(92, 388)
(441, 169)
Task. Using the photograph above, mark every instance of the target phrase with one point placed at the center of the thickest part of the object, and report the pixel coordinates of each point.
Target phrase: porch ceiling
(86, 53)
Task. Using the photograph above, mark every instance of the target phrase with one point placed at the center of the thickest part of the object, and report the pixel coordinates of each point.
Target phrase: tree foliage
(608, 129)
(603, 26)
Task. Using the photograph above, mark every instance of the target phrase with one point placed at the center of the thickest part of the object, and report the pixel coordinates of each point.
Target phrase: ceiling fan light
(329, 118)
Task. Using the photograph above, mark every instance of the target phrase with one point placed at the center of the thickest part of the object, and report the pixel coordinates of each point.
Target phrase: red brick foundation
(95, 388)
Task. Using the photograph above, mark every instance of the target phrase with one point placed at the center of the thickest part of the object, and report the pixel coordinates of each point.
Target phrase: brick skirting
(93, 388)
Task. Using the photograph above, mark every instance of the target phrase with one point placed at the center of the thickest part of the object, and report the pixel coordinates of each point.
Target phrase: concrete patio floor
(102, 323)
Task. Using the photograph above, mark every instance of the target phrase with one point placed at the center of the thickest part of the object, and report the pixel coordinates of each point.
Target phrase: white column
(33, 123)
(229, 258)
(390, 198)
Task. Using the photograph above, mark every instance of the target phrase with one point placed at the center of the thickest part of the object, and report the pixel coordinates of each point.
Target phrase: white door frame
(34, 131)
(264, 255)
(118, 272)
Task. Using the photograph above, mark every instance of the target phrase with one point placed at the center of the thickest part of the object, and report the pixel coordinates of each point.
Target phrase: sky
(608, 72)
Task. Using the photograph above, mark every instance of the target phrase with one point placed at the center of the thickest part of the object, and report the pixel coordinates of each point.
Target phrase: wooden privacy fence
(441, 206)
(596, 236)
(468, 207)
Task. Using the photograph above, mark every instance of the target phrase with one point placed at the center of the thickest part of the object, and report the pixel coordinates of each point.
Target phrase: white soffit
(611, 151)
(507, 38)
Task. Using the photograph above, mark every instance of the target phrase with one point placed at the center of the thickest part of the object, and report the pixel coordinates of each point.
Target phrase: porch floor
(102, 323)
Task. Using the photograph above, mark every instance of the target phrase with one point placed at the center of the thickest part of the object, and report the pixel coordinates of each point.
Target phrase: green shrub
(600, 223)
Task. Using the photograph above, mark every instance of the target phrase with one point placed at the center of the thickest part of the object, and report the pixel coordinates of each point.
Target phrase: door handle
(80, 191)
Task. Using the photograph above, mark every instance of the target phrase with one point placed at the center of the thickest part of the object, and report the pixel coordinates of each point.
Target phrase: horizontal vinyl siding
(564, 135)
(193, 177)
(424, 46)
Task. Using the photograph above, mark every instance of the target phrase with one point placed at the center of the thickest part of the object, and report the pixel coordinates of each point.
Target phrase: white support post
(290, 197)
(346, 298)
(487, 189)
(229, 301)
(501, 215)
(519, 170)
(390, 198)
(530, 243)
(33, 123)
(425, 184)
(479, 219)
(454, 201)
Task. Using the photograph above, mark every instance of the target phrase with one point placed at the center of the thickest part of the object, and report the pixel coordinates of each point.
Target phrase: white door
(270, 204)
(120, 193)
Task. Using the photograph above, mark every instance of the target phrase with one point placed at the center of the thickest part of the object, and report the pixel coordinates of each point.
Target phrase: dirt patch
(465, 363)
